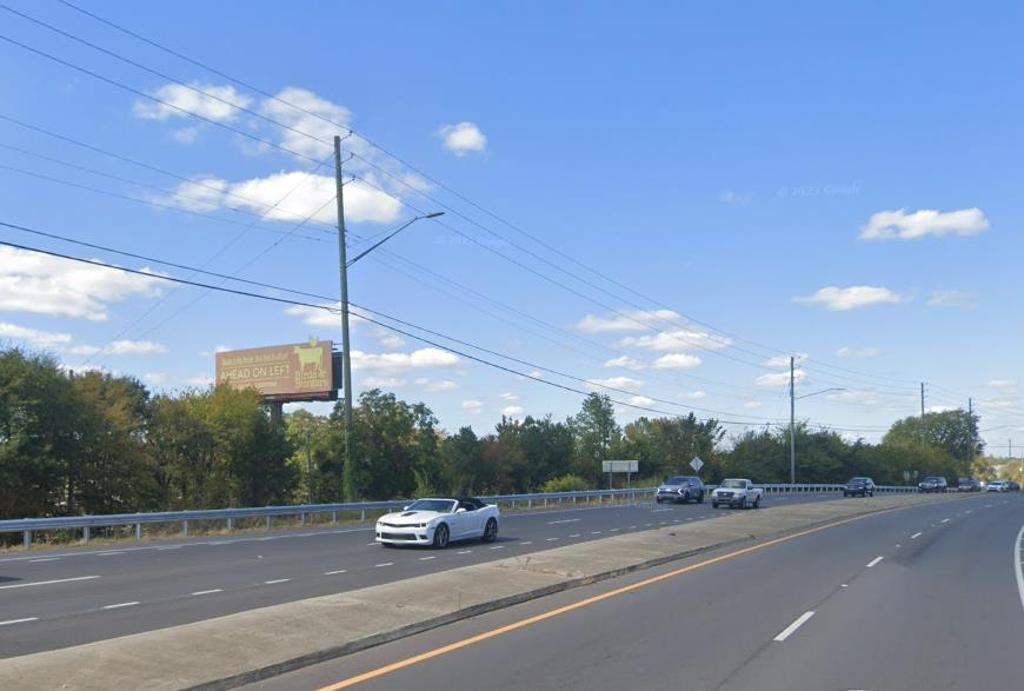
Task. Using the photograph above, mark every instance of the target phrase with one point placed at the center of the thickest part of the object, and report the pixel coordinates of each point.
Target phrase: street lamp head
(434, 214)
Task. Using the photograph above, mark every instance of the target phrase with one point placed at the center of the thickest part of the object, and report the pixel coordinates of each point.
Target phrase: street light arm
(392, 234)
(808, 395)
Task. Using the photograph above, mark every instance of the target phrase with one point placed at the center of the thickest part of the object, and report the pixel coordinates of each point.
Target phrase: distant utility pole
(346, 349)
(792, 420)
(970, 423)
(922, 401)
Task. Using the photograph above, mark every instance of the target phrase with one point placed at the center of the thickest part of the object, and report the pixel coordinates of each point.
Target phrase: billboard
(294, 372)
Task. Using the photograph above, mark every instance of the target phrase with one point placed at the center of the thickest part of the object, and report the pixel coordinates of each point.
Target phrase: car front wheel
(441, 536)
(714, 505)
(757, 503)
(490, 530)
(700, 498)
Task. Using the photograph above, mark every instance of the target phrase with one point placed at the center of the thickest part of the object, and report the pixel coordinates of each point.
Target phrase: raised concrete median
(244, 647)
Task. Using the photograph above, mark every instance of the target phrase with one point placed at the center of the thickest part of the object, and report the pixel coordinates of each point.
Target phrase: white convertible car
(437, 522)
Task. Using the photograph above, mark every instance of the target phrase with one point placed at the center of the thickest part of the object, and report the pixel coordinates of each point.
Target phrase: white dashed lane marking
(791, 629)
(209, 592)
(18, 621)
(875, 561)
(339, 571)
(280, 580)
(119, 605)
(53, 582)
(427, 558)
(915, 536)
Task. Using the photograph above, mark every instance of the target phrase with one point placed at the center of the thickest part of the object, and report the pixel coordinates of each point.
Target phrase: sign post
(627, 467)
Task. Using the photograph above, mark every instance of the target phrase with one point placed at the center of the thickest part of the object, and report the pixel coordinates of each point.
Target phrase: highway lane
(52, 599)
(924, 597)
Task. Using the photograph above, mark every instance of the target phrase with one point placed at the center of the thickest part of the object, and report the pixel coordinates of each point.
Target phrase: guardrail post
(85, 534)
(574, 500)
(334, 517)
(184, 527)
(302, 518)
(26, 539)
(268, 522)
(230, 524)
(138, 532)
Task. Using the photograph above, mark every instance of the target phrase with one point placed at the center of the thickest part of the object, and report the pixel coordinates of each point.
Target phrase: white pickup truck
(737, 492)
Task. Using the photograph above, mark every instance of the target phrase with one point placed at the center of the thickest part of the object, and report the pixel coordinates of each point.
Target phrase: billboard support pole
(346, 359)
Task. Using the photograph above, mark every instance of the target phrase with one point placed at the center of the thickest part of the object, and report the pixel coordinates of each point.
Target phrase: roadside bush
(565, 483)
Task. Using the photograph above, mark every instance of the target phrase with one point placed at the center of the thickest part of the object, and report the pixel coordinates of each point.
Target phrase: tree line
(99, 443)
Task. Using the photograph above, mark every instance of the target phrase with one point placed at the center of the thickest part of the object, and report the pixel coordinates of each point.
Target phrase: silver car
(681, 489)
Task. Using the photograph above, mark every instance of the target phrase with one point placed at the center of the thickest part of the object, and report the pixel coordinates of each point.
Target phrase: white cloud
(854, 297)
(694, 395)
(730, 197)
(383, 382)
(85, 350)
(306, 195)
(186, 99)
(221, 349)
(780, 378)
(398, 362)
(1002, 383)
(463, 138)
(154, 378)
(886, 225)
(641, 401)
(625, 362)
(508, 396)
(390, 340)
(535, 374)
(200, 380)
(633, 320)
(126, 347)
(615, 383)
(1000, 403)
(512, 411)
(436, 385)
(186, 135)
(950, 298)
(316, 121)
(677, 361)
(674, 340)
(472, 406)
(859, 396)
(325, 316)
(41, 284)
(783, 360)
(752, 405)
(939, 408)
(33, 337)
(846, 352)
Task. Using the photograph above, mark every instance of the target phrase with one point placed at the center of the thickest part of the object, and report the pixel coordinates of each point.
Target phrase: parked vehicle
(681, 488)
(933, 483)
(968, 484)
(735, 492)
(1012, 486)
(436, 522)
(859, 486)
(997, 486)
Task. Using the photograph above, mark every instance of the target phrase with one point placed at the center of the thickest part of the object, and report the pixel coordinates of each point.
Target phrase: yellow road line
(550, 614)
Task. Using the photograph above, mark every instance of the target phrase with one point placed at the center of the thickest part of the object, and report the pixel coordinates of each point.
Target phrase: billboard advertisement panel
(294, 372)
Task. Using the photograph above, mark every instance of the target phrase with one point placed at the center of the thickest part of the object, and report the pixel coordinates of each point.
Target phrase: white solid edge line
(208, 592)
(1017, 565)
(121, 604)
(18, 621)
(915, 536)
(36, 561)
(58, 580)
(875, 561)
(788, 631)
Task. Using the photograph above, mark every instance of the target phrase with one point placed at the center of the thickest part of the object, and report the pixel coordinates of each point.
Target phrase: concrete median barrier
(241, 648)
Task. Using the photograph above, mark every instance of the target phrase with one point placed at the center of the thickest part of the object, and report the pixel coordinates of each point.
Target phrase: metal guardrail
(28, 526)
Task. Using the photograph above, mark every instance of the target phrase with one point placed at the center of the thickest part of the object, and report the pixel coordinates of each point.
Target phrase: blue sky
(840, 181)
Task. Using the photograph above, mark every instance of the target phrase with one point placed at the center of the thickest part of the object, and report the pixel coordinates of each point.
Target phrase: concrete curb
(355, 646)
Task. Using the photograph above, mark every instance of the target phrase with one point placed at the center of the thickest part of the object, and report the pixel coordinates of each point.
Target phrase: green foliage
(566, 483)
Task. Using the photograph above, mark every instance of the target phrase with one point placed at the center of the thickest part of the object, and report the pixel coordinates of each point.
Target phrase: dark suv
(681, 488)
(968, 484)
(932, 483)
(862, 486)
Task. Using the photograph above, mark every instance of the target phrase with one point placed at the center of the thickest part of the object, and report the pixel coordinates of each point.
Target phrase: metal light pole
(344, 264)
(792, 416)
(346, 355)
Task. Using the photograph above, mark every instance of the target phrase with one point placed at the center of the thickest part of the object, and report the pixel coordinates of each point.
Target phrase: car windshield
(438, 505)
(735, 484)
(677, 480)
(858, 480)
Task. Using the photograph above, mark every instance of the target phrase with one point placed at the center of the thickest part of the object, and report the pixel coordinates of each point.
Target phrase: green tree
(953, 431)
(596, 433)
(665, 446)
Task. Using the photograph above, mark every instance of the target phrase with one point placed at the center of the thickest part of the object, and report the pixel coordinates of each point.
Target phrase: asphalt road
(919, 598)
(53, 599)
